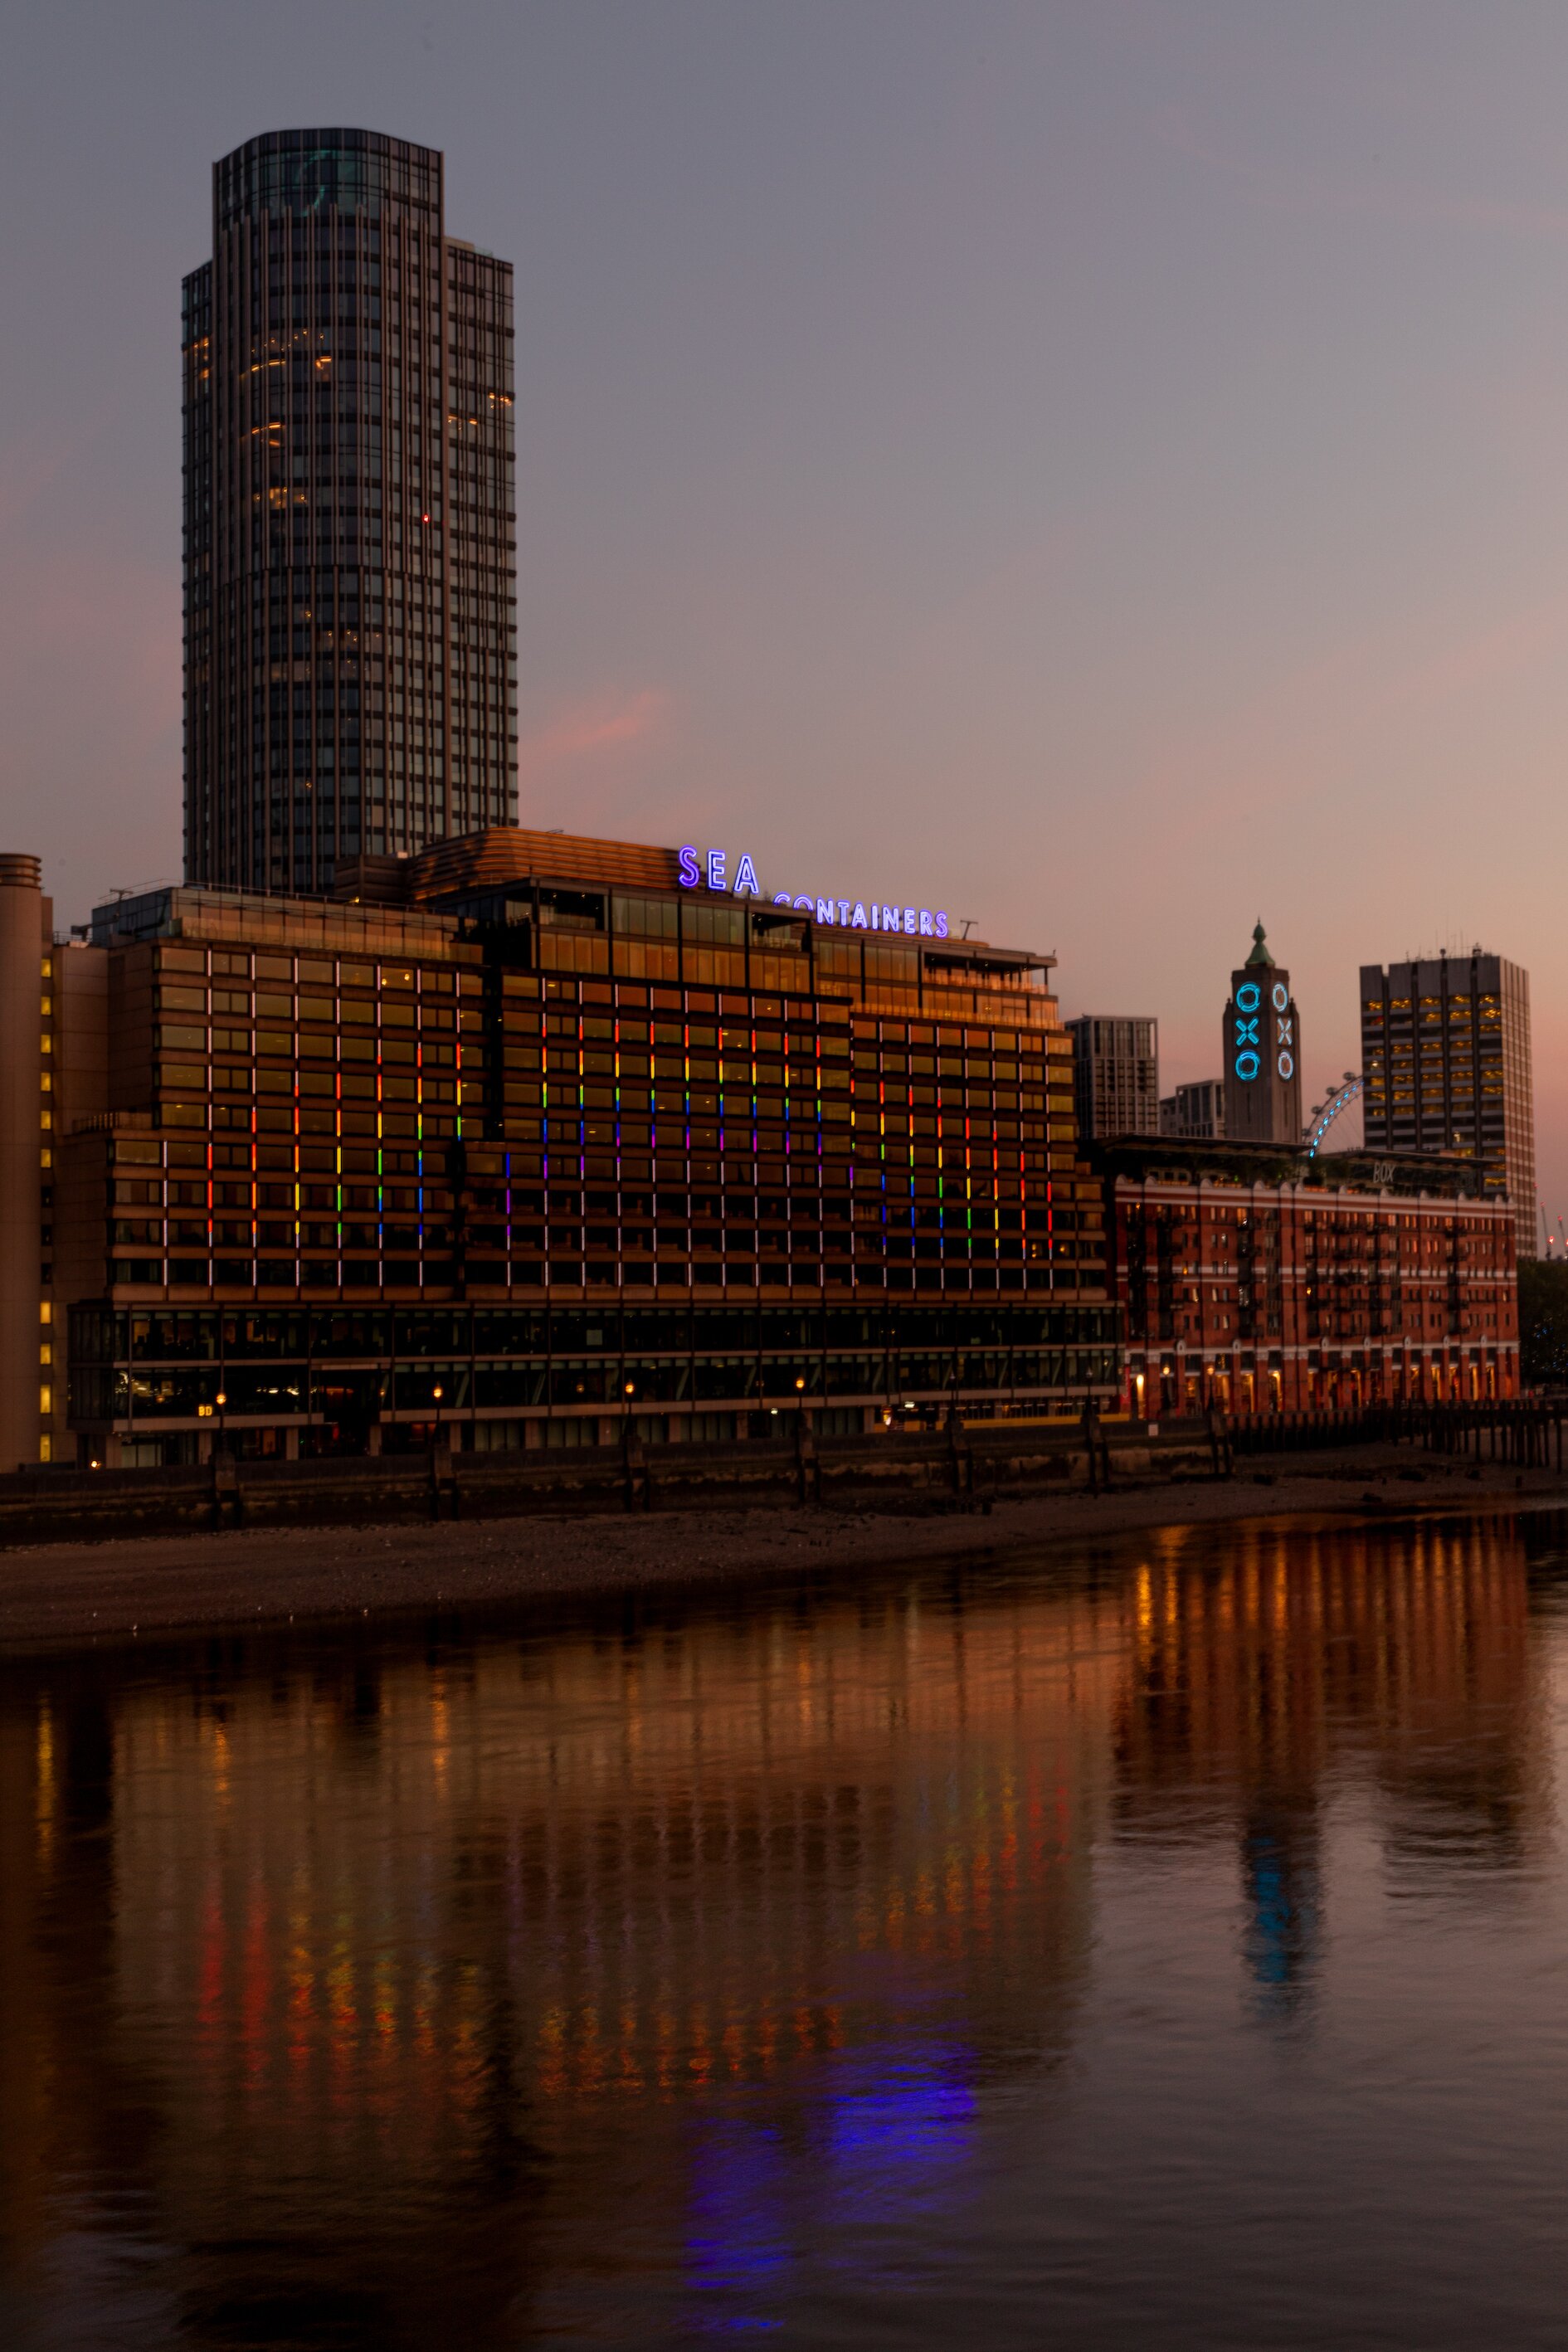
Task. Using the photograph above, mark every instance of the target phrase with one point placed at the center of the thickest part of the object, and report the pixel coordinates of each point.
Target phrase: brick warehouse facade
(1257, 1280)
(526, 1139)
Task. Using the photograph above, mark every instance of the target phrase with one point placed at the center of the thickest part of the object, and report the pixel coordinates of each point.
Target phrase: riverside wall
(929, 1473)
(952, 1469)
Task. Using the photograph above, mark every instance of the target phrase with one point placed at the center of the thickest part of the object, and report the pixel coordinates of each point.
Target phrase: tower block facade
(1262, 1052)
(351, 526)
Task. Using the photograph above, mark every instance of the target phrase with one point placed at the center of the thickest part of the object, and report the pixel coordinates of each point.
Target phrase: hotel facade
(532, 1140)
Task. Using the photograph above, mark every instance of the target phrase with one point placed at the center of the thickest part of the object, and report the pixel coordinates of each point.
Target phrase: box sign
(712, 871)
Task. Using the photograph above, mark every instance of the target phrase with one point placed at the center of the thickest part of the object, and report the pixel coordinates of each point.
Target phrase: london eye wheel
(1325, 1113)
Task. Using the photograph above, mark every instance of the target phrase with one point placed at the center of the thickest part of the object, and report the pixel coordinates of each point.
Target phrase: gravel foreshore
(64, 1596)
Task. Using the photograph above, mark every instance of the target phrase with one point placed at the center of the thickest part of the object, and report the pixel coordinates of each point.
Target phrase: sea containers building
(527, 1139)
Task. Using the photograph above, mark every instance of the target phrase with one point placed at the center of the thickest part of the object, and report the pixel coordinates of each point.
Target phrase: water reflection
(1260, 1677)
(721, 1970)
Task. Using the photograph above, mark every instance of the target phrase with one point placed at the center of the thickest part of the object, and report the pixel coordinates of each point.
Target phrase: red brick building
(1254, 1278)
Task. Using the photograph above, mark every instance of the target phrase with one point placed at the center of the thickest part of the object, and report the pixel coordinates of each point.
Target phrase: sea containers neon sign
(712, 871)
(1248, 1016)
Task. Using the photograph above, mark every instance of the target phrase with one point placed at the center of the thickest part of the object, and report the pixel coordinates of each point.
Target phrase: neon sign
(1249, 1046)
(711, 870)
(1279, 997)
(1248, 998)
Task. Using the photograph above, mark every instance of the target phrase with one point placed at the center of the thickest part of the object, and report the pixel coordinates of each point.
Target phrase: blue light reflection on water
(897, 2142)
(887, 2146)
(739, 2230)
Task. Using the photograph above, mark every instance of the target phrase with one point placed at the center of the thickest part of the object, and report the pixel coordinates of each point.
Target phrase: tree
(1543, 1322)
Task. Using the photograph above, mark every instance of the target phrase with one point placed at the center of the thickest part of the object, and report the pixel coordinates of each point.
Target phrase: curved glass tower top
(303, 172)
(350, 517)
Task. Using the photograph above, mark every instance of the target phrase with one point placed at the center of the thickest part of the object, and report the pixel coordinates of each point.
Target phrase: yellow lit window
(46, 1398)
(46, 1449)
(45, 1351)
(46, 1312)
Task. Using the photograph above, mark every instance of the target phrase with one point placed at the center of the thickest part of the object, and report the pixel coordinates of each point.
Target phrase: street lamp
(799, 1409)
(437, 1392)
(220, 1400)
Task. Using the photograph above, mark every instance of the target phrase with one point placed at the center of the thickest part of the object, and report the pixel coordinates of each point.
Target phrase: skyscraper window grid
(349, 521)
(1447, 1056)
(1116, 1075)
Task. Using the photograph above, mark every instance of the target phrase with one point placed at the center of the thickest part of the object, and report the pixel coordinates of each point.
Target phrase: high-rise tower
(1262, 1052)
(1444, 1044)
(1115, 1076)
(350, 527)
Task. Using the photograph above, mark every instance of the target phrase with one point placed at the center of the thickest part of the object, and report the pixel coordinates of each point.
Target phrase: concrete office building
(350, 523)
(522, 1140)
(1116, 1075)
(1447, 1061)
(1196, 1110)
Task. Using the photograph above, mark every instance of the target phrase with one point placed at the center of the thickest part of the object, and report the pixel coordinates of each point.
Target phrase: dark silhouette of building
(1262, 1052)
(350, 534)
(1446, 1051)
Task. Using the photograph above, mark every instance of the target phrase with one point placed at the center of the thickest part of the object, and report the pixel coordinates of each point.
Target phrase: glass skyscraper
(350, 525)
(1444, 1044)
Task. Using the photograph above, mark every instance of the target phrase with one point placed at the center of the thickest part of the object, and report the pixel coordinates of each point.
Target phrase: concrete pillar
(21, 1133)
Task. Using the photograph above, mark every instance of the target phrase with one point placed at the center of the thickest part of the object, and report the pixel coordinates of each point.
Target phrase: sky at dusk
(1102, 469)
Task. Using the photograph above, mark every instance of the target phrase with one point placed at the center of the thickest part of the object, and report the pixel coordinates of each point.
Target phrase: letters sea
(852, 915)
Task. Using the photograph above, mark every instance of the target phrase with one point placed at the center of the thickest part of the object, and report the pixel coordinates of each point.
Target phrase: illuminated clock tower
(1262, 1052)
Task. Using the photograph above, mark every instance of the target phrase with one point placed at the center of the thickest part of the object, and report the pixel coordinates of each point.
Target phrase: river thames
(1161, 1944)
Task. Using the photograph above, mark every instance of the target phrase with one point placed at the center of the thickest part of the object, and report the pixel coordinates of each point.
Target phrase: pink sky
(1100, 467)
